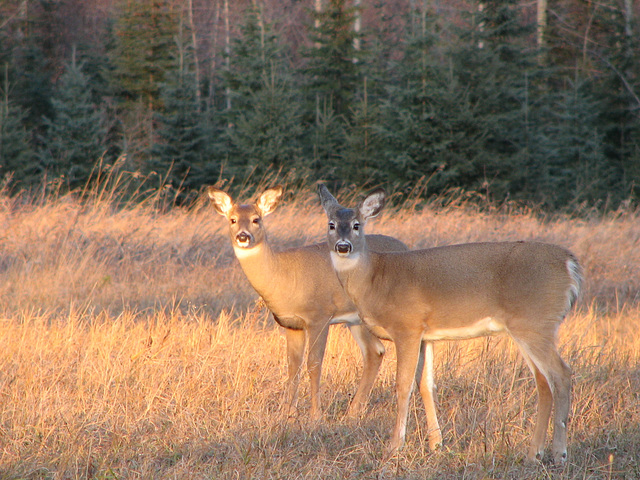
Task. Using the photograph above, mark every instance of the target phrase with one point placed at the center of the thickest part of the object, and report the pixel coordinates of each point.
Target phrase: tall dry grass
(133, 347)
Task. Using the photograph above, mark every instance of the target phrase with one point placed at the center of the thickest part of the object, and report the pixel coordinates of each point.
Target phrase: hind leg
(553, 379)
(424, 377)
(562, 400)
(372, 354)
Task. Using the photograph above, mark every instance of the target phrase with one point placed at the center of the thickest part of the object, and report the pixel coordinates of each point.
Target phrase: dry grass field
(132, 347)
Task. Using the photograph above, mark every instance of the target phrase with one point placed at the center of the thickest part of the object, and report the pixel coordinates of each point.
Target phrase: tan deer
(302, 292)
(524, 289)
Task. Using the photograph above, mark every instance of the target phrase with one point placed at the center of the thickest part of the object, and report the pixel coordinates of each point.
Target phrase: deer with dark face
(523, 289)
(302, 291)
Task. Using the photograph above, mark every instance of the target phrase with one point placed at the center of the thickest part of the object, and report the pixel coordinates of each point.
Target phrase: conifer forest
(535, 102)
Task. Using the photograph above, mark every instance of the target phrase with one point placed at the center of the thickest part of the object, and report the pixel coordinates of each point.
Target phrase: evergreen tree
(141, 53)
(428, 121)
(263, 125)
(564, 163)
(618, 90)
(491, 67)
(75, 137)
(143, 50)
(364, 142)
(17, 159)
(267, 134)
(180, 150)
(333, 66)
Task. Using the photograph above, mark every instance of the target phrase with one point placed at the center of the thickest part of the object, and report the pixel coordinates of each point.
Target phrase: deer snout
(343, 248)
(243, 239)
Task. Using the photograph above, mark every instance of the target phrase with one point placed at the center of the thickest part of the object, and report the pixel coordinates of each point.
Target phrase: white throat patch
(242, 253)
(341, 264)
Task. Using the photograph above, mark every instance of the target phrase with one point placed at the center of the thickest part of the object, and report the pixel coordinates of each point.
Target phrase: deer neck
(354, 271)
(260, 265)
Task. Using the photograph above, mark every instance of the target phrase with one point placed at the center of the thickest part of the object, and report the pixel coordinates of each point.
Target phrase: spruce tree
(143, 50)
(263, 125)
(491, 66)
(140, 55)
(75, 136)
(333, 67)
(565, 162)
(17, 159)
(179, 153)
(361, 159)
(427, 120)
(267, 134)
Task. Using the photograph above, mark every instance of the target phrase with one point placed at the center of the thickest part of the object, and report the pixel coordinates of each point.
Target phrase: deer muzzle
(243, 239)
(343, 248)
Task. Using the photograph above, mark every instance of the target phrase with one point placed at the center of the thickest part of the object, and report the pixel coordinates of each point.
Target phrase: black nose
(343, 247)
(243, 237)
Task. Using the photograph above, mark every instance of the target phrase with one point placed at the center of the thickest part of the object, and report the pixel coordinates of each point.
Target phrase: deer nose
(243, 238)
(343, 248)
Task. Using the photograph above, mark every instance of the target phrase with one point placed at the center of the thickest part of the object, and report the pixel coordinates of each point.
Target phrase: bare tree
(196, 63)
(542, 29)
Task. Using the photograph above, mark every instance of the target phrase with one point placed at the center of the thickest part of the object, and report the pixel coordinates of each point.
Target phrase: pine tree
(141, 53)
(618, 90)
(565, 161)
(491, 66)
(267, 134)
(427, 120)
(17, 159)
(333, 64)
(75, 137)
(143, 50)
(263, 125)
(364, 142)
(180, 152)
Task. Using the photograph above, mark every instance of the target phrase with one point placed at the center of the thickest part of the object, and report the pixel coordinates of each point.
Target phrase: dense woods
(530, 101)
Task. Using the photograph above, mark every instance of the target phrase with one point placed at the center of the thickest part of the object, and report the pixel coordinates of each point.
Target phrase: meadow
(133, 347)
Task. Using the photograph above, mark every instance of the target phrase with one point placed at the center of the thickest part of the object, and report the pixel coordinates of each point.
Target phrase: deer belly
(481, 328)
(350, 318)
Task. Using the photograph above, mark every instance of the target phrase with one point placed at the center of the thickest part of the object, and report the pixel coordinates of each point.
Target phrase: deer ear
(326, 199)
(269, 200)
(372, 204)
(221, 201)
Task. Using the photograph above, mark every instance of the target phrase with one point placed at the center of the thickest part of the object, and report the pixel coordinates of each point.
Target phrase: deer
(299, 287)
(456, 292)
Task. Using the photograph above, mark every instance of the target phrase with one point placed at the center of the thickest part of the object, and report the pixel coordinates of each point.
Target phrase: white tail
(300, 288)
(524, 289)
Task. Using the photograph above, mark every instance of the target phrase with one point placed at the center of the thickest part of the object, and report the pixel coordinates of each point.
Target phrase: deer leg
(295, 354)
(372, 353)
(562, 404)
(426, 383)
(553, 379)
(545, 403)
(407, 351)
(317, 344)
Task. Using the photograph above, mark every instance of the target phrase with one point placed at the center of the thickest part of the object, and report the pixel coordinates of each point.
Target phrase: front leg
(295, 354)
(318, 332)
(407, 351)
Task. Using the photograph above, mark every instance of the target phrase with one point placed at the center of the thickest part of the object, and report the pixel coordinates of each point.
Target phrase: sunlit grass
(133, 347)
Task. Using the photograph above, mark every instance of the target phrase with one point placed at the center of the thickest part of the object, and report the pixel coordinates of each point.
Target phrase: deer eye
(256, 220)
(233, 221)
(356, 226)
(332, 226)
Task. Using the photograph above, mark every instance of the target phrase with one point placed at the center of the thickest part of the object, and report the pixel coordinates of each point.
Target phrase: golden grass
(133, 347)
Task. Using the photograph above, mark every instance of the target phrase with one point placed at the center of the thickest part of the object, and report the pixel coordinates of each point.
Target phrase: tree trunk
(357, 26)
(227, 47)
(196, 62)
(542, 30)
